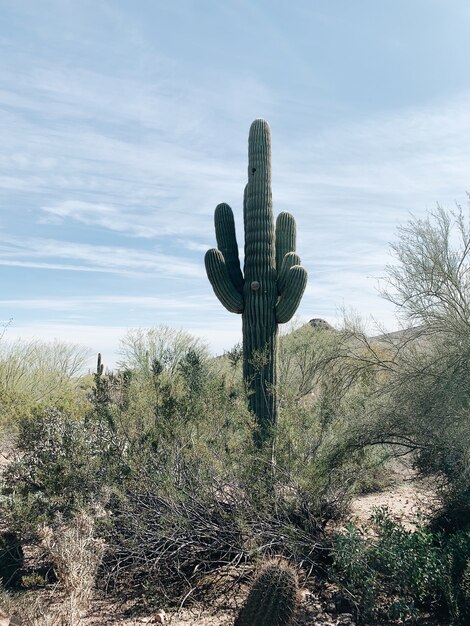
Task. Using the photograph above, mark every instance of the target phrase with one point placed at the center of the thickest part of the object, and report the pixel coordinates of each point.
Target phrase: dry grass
(76, 554)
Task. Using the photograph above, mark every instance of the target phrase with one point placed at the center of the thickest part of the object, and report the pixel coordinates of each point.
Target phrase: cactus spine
(272, 599)
(269, 290)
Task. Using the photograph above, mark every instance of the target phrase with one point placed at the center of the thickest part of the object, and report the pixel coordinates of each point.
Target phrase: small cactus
(99, 366)
(272, 598)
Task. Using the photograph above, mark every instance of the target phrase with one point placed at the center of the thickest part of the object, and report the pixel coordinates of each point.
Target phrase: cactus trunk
(271, 286)
(260, 289)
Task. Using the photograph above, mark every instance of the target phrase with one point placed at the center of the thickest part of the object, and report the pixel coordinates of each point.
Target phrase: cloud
(33, 252)
(88, 158)
(95, 302)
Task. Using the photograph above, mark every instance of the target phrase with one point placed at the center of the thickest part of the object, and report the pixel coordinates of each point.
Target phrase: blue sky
(125, 123)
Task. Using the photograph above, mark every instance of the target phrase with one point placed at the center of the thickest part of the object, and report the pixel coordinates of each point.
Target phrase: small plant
(76, 555)
(465, 592)
(402, 568)
(272, 598)
(457, 587)
(62, 465)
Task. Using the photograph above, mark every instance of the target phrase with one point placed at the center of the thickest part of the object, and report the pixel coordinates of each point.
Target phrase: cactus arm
(285, 237)
(222, 284)
(289, 260)
(295, 283)
(227, 243)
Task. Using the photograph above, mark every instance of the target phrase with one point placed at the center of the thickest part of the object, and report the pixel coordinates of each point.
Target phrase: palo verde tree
(269, 290)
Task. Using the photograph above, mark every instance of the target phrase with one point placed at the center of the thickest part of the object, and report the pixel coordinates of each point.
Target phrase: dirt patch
(405, 502)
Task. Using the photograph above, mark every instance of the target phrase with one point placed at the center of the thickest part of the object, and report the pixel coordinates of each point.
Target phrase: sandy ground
(405, 502)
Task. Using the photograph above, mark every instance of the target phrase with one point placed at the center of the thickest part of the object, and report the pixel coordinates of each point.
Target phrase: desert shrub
(62, 464)
(172, 543)
(393, 571)
(35, 373)
(319, 403)
(456, 586)
(306, 354)
(76, 554)
(417, 398)
(431, 285)
(142, 348)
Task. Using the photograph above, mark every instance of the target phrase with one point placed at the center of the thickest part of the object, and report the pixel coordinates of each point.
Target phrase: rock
(320, 324)
(159, 617)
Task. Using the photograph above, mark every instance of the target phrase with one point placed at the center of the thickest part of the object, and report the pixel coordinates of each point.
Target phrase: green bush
(37, 374)
(391, 572)
(63, 463)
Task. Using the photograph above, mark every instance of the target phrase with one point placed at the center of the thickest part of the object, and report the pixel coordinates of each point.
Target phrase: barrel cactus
(272, 599)
(271, 286)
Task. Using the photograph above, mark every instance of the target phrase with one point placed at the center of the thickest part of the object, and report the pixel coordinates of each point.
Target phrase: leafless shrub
(179, 546)
(76, 554)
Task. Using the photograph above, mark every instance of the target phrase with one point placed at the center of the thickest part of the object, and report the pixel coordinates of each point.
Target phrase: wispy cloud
(115, 168)
(97, 302)
(33, 252)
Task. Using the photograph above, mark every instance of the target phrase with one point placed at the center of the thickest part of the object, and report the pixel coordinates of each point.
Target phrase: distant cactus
(272, 599)
(99, 366)
(272, 284)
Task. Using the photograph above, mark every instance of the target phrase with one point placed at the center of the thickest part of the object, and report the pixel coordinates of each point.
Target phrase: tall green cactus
(271, 286)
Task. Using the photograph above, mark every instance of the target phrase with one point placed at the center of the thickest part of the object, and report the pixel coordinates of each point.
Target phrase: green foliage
(141, 349)
(463, 601)
(63, 463)
(272, 598)
(318, 404)
(394, 571)
(417, 399)
(271, 286)
(36, 373)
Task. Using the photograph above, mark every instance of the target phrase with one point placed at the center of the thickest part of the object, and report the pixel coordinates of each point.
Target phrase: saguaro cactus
(269, 290)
